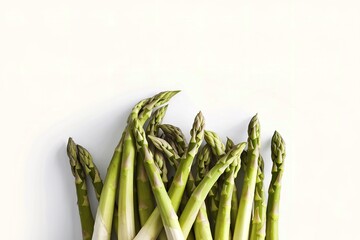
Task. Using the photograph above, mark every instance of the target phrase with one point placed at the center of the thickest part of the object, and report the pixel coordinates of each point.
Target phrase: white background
(75, 68)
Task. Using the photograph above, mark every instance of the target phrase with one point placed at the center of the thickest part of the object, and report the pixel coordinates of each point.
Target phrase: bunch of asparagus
(161, 186)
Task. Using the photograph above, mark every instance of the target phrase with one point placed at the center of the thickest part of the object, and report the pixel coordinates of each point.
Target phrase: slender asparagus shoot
(229, 144)
(171, 155)
(176, 135)
(218, 149)
(198, 196)
(161, 165)
(258, 223)
(215, 142)
(141, 111)
(90, 168)
(222, 228)
(167, 212)
(201, 226)
(278, 154)
(242, 225)
(155, 120)
(163, 146)
(152, 227)
(234, 196)
(105, 211)
(146, 201)
(86, 217)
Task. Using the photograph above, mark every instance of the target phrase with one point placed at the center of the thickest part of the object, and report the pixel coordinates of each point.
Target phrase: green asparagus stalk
(176, 135)
(146, 201)
(167, 212)
(222, 228)
(198, 196)
(241, 231)
(258, 223)
(90, 169)
(161, 165)
(173, 144)
(218, 149)
(86, 217)
(126, 223)
(163, 146)
(201, 226)
(171, 155)
(155, 121)
(105, 211)
(234, 197)
(152, 227)
(229, 144)
(278, 154)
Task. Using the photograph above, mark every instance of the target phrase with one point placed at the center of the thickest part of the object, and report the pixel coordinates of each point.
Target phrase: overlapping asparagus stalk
(167, 212)
(258, 223)
(234, 197)
(278, 154)
(104, 215)
(86, 217)
(126, 184)
(218, 149)
(90, 169)
(202, 227)
(153, 226)
(242, 225)
(198, 196)
(222, 228)
(146, 202)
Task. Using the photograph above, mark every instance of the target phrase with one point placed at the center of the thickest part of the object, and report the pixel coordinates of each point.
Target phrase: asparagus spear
(104, 215)
(218, 149)
(161, 165)
(152, 227)
(278, 154)
(167, 212)
(198, 196)
(155, 120)
(146, 202)
(164, 147)
(105, 212)
(86, 161)
(126, 182)
(234, 197)
(90, 169)
(222, 228)
(242, 224)
(86, 217)
(258, 223)
(176, 135)
(201, 226)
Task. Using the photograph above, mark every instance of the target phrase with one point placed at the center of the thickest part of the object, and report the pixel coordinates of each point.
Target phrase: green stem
(198, 196)
(278, 154)
(258, 223)
(222, 228)
(86, 217)
(167, 212)
(153, 227)
(243, 219)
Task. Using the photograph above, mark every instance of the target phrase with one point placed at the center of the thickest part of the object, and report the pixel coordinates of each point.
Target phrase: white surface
(75, 68)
